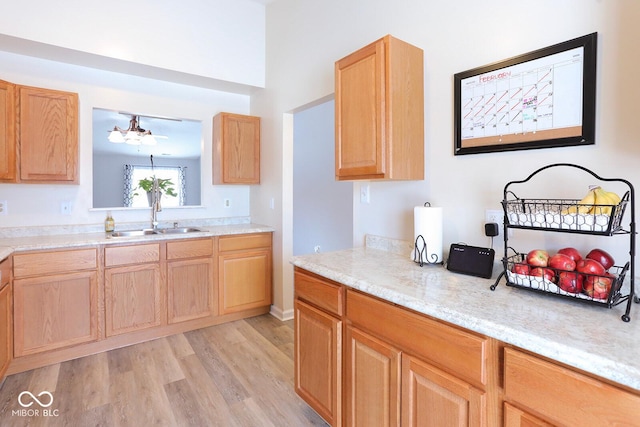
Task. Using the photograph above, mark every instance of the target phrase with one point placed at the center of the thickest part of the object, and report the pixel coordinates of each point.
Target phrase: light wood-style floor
(236, 374)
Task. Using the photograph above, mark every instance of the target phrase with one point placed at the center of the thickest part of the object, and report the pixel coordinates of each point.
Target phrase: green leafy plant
(165, 186)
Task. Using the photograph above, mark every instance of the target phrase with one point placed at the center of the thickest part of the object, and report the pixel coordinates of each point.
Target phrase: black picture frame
(541, 99)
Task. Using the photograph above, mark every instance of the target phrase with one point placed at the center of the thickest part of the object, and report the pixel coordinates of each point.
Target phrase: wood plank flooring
(235, 374)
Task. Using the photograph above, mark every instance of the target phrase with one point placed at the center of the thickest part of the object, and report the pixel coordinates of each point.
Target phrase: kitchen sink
(152, 232)
(131, 233)
(177, 230)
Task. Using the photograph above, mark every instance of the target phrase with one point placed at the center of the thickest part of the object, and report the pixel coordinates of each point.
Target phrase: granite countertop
(586, 336)
(10, 245)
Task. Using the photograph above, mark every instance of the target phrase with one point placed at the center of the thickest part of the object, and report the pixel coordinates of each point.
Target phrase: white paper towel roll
(427, 222)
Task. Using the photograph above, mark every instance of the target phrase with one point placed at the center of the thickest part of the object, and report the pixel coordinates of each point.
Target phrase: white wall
(322, 206)
(39, 204)
(214, 39)
(304, 39)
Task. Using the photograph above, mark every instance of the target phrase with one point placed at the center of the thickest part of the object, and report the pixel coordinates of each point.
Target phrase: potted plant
(164, 185)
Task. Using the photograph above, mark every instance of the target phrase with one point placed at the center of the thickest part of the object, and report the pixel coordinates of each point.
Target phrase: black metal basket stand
(555, 215)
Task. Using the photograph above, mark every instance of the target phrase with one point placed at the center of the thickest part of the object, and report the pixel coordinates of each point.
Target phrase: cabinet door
(7, 132)
(514, 417)
(55, 311)
(318, 361)
(6, 335)
(190, 288)
(48, 135)
(244, 280)
(434, 398)
(360, 119)
(372, 381)
(132, 298)
(236, 154)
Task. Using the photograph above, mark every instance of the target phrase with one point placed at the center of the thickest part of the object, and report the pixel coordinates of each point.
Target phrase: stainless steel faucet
(155, 203)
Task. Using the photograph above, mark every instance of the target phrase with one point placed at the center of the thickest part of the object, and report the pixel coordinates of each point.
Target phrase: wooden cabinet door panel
(6, 335)
(514, 417)
(245, 281)
(7, 132)
(55, 311)
(191, 291)
(360, 120)
(564, 396)
(132, 298)
(434, 398)
(48, 135)
(318, 361)
(372, 381)
(236, 154)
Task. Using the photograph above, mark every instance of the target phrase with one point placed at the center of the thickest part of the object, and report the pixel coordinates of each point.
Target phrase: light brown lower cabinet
(190, 280)
(6, 316)
(132, 288)
(318, 368)
(75, 302)
(431, 396)
(373, 375)
(544, 391)
(58, 309)
(403, 368)
(244, 272)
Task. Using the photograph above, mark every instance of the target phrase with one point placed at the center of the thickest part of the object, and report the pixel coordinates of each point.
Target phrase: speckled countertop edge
(588, 337)
(59, 241)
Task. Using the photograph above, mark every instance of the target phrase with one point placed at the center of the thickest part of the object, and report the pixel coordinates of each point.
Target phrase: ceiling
(183, 140)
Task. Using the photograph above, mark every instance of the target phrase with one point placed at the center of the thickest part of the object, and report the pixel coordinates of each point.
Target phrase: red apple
(562, 262)
(521, 268)
(590, 266)
(602, 257)
(598, 286)
(538, 258)
(546, 273)
(572, 253)
(570, 281)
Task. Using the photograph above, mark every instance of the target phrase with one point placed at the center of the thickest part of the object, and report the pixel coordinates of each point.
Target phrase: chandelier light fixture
(134, 135)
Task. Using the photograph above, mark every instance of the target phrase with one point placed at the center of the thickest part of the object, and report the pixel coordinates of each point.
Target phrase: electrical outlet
(65, 208)
(316, 249)
(365, 194)
(227, 203)
(3, 207)
(497, 217)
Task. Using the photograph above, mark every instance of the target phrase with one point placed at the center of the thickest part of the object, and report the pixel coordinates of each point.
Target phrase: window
(133, 174)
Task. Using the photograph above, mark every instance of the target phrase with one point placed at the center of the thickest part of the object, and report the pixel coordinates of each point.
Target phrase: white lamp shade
(149, 140)
(116, 137)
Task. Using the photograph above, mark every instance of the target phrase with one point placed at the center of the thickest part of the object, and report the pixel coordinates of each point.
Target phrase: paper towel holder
(418, 253)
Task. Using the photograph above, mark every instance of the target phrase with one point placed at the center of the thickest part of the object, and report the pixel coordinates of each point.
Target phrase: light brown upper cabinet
(48, 135)
(7, 132)
(236, 149)
(39, 137)
(379, 107)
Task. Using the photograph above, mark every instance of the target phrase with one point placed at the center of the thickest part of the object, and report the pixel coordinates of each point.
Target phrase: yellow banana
(583, 206)
(586, 204)
(605, 201)
(616, 199)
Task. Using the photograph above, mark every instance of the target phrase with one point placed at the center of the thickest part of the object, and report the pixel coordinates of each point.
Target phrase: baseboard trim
(279, 314)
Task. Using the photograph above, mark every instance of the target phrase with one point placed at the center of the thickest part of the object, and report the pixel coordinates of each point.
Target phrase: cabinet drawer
(564, 396)
(244, 241)
(39, 263)
(189, 248)
(5, 272)
(322, 293)
(452, 349)
(133, 254)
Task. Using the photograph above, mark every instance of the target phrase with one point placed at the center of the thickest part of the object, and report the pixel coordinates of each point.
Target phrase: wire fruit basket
(570, 216)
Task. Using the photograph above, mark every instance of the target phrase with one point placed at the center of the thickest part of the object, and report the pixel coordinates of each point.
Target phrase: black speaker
(471, 260)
